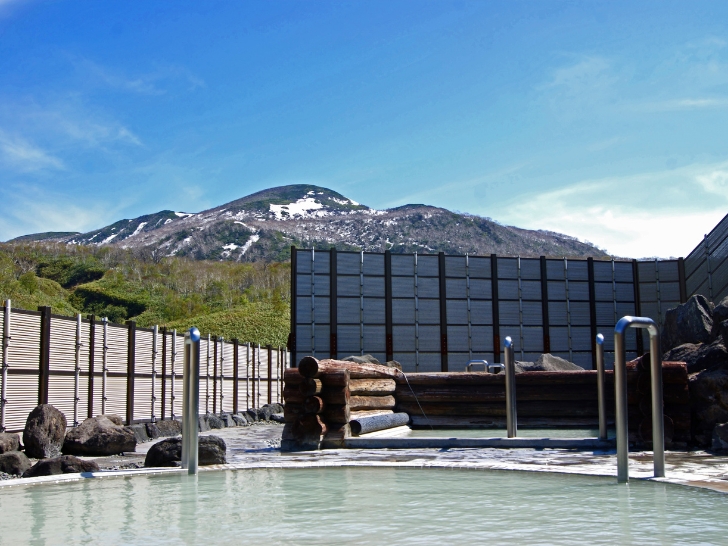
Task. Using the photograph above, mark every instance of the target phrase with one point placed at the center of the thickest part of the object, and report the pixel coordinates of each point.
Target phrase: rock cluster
(548, 363)
(696, 333)
(44, 432)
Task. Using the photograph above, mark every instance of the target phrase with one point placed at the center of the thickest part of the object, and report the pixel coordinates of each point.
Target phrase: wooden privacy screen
(143, 381)
(436, 312)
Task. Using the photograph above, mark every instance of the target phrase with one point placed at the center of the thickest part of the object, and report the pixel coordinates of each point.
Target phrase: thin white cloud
(652, 214)
(20, 154)
(681, 104)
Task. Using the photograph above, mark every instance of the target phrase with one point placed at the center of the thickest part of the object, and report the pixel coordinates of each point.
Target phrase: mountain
(264, 225)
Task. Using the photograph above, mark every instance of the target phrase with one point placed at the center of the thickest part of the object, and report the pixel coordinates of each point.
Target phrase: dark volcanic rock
(548, 363)
(720, 314)
(691, 322)
(720, 437)
(14, 462)
(66, 464)
(202, 424)
(214, 422)
(169, 452)
(361, 359)
(9, 442)
(274, 407)
(240, 420)
(227, 418)
(169, 427)
(99, 436)
(708, 403)
(152, 431)
(44, 432)
(140, 432)
(699, 356)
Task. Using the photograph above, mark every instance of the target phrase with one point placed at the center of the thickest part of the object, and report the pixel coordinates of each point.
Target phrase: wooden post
(44, 361)
(443, 312)
(214, 374)
(91, 349)
(236, 375)
(389, 342)
(252, 379)
(294, 295)
(270, 373)
(496, 311)
(545, 306)
(681, 280)
(164, 371)
(130, 370)
(592, 311)
(637, 305)
(333, 304)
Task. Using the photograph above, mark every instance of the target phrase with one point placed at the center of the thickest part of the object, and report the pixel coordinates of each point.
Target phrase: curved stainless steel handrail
(620, 386)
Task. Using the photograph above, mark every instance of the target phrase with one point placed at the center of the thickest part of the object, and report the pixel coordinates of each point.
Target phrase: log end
(308, 366)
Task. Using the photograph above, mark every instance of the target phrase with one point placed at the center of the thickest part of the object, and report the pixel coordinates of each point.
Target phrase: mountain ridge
(264, 225)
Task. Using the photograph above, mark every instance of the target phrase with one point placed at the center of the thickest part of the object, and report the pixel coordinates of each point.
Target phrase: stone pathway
(258, 446)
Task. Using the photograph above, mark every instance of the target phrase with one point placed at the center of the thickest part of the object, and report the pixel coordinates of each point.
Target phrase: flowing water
(361, 506)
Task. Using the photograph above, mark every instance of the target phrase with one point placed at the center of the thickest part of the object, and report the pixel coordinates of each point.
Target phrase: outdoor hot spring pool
(361, 506)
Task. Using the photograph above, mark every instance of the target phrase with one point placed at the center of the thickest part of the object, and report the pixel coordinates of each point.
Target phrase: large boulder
(720, 315)
(66, 464)
(211, 450)
(361, 359)
(548, 363)
(699, 356)
(169, 427)
(44, 432)
(9, 442)
(708, 403)
(720, 437)
(99, 436)
(691, 322)
(14, 462)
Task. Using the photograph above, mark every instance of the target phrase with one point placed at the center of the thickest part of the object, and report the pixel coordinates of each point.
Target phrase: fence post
(155, 332)
(104, 368)
(247, 375)
(444, 363)
(592, 311)
(44, 360)
(173, 374)
(257, 391)
(6, 346)
(545, 306)
(495, 309)
(681, 280)
(91, 362)
(77, 370)
(511, 419)
(270, 373)
(214, 374)
(252, 380)
(222, 372)
(388, 328)
(333, 305)
(164, 371)
(637, 304)
(236, 374)
(130, 370)
(207, 377)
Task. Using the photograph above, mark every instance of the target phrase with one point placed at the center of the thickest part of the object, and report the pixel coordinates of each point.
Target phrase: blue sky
(607, 121)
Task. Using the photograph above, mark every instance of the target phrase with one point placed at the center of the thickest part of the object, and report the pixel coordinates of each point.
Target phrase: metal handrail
(620, 385)
(471, 363)
(511, 424)
(191, 400)
(600, 388)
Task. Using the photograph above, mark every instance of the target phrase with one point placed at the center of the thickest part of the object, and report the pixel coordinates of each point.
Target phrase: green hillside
(247, 301)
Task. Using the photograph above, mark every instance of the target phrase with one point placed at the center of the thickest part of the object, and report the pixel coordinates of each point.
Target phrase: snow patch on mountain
(306, 207)
(138, 229)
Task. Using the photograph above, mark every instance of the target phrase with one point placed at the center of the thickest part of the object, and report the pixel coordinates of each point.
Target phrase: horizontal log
(525, 409)
(367, 413)
(335, 395)
(338, 415)
(287, 433)
(292, 412)
(474, 422)
(311, 367)
(371, 402)
(291, 376)
(310, 387)
(336, 378)
(293, 396)
(313, 404)
(497, 393)
(366, 387)
(309, 426)
(586, 377)
(374, 423)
